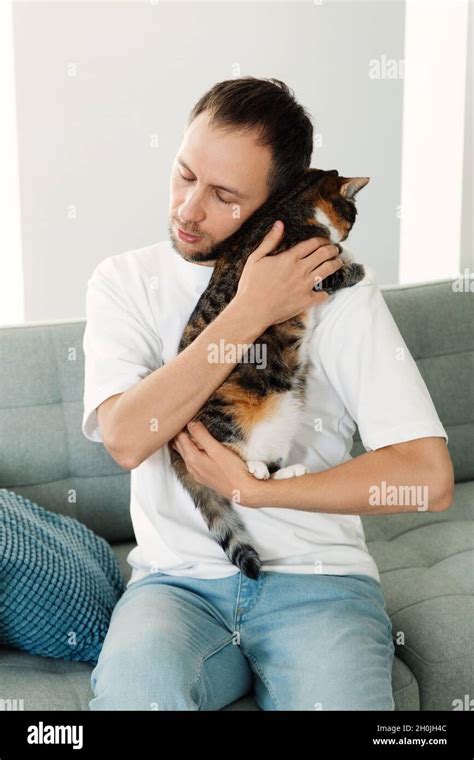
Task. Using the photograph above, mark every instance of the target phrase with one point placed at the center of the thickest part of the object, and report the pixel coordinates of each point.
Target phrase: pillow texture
(59, 582)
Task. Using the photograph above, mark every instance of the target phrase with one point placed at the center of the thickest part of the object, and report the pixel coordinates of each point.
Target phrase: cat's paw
(292, 471)
(258, 469)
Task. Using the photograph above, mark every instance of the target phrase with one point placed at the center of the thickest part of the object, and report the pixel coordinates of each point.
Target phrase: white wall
(97, 81)
(467, 240)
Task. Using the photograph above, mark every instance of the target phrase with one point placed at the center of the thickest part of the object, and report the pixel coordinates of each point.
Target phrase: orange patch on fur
(328, 209)
(336, 222)
(248, 409)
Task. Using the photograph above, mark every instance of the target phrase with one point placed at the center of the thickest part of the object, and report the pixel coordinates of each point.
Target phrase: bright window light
(12, 306)
(433, 139)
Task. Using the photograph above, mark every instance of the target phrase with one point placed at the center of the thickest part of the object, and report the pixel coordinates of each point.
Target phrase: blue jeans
(299, 641)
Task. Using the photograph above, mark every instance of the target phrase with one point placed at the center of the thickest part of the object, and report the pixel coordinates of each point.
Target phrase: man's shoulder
(349, 301)
(135, 262)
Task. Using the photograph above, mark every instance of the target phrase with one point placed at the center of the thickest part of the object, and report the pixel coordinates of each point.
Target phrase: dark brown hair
(267, 106)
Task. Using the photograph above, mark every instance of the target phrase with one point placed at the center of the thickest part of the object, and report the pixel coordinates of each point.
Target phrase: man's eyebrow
(217, 187)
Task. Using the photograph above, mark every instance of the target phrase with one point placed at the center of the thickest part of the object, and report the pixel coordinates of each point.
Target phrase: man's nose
(192, 210)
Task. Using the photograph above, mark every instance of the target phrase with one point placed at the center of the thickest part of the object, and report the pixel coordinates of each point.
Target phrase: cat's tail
(228, 530)
(224, 524)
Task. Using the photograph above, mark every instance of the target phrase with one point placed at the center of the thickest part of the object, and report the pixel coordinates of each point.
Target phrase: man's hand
(276, 288)
(214, 465)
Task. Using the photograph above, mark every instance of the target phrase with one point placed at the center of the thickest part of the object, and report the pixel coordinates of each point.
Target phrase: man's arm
(411, 476)
(139, 421)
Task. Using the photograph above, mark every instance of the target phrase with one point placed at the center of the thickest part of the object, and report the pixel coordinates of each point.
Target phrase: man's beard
(196, 256)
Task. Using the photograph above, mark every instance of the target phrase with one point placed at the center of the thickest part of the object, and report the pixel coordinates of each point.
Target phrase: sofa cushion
(59, 582)
(29, 682)
(426, 565)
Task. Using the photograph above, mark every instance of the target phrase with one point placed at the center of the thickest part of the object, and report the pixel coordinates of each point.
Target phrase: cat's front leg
(258, 469)
(345, 277)
(292, 471)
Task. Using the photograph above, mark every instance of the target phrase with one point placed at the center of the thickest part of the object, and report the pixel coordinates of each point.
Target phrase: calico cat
(256, 411)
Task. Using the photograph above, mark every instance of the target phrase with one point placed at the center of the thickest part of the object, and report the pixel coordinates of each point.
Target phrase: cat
(256, 410)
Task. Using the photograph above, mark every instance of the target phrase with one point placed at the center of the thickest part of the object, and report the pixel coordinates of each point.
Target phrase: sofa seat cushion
(30, 682)
(426, 564)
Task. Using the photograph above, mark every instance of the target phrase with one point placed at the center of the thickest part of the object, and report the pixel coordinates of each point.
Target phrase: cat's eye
(191, 179)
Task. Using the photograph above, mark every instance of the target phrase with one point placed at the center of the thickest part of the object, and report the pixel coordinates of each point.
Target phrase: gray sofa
(426, 560)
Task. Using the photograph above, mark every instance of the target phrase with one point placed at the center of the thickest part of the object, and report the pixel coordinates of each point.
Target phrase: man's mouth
(187, 238)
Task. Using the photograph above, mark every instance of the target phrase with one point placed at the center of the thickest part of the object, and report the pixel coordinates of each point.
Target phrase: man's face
(218, 180)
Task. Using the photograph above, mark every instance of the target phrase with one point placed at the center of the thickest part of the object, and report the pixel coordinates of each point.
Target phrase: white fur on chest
(272, 438)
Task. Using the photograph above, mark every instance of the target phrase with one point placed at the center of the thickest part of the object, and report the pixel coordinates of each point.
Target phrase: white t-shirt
(361, 370)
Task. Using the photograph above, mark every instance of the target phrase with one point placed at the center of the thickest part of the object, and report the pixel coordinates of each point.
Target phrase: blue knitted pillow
(59, 582)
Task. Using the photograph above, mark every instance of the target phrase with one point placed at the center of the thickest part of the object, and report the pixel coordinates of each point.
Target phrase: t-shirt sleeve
(119, 348)
(368, 363)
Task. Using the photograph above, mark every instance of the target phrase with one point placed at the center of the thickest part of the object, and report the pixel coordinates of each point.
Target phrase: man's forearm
(155, 409)
(378, 482)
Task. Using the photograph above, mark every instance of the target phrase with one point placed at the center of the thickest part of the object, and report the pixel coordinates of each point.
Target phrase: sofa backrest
(43, 452)
(45, 457)
(436, 321)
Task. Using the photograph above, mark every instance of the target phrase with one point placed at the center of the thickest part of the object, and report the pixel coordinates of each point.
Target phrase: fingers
(319, 296)
(201, 435)
(175, 443)
(323, 262)
(185, 447)
(320, 272)
(270, 240)
(315, 245)
(318, 275)
(324, 269)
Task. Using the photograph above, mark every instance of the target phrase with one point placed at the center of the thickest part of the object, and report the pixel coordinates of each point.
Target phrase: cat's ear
(352, 186)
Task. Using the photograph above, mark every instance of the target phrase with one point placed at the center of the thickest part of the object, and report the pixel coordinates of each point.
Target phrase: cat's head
(318, 199)
(328, 201)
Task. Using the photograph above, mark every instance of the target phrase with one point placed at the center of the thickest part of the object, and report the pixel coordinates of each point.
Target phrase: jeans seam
(214, 650)
(265, 681)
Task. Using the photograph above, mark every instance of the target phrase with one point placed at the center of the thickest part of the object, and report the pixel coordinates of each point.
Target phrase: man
(191, 632)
